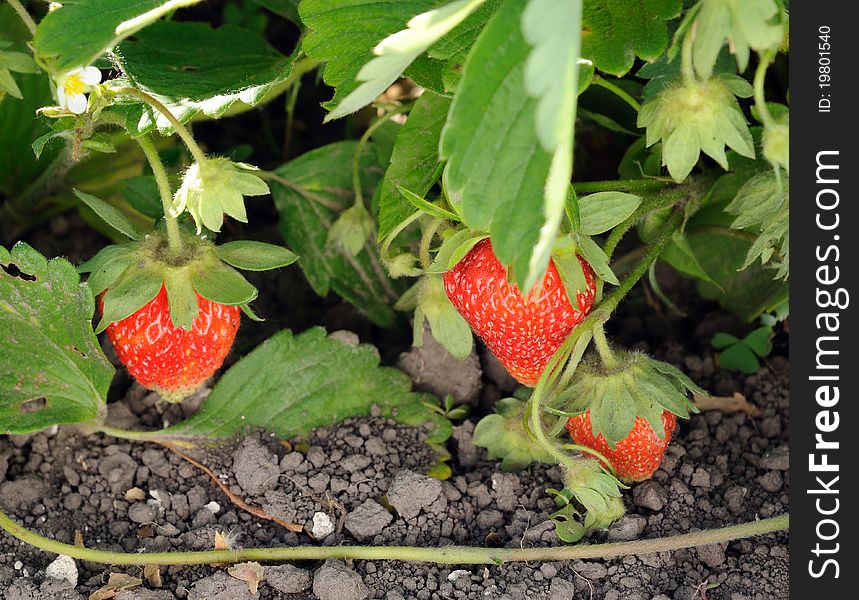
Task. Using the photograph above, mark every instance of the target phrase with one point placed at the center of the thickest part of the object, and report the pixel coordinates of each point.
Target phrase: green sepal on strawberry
(504, 436)
(586, 486)
(172, 316)
(628, 411)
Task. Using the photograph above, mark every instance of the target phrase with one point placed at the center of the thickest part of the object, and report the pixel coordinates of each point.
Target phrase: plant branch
(686, 68)
(622, 185)
(25, 16)
(452, 555)
(601, 343)
(174, 238)
(764, 59)
(181, 130)
(359, 148)
(321, 200)
(617, 91)
(426, 242)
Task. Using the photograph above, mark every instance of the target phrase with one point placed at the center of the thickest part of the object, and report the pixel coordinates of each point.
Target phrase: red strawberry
(634, 458)
(523, 333)
(170, 360)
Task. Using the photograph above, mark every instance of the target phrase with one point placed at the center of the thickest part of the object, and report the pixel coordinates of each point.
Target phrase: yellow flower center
(74, 85)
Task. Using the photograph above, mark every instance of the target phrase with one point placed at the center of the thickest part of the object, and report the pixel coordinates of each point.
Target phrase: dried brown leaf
(727, 404)
(250, 572)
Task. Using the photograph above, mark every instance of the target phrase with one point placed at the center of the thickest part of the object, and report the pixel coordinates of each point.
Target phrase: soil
(364, 481)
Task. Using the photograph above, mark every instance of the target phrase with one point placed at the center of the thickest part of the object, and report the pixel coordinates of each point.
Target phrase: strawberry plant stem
(25, 16)
(687, 70)
(187, 138)
(764, 59)
(631, 186)
(174, 238)
(601, 343)
(617, 91)
(426, 242)
(359, 148)
(452, 555)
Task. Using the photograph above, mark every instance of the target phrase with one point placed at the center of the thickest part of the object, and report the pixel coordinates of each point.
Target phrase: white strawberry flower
(73, 85)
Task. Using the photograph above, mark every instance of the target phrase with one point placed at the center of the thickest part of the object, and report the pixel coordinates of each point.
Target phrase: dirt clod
(335, 581)
(411, 492)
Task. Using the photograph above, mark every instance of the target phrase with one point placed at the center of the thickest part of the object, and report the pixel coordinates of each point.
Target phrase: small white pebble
(158, 495)
(214, 507)
(322, 526)
(18, 564)
(454, 575)
(63, 568)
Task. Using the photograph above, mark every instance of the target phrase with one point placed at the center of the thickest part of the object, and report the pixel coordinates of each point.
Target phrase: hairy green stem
(451, 555)
(617, 91)
(181, 130)
(605, 351)
(25, 16)
(648, 205)
(319, 199)
(386, 243)
(686, 68)
(174, 238)
(359, 148)
(426, 242)
(621, 185)
(764, 59)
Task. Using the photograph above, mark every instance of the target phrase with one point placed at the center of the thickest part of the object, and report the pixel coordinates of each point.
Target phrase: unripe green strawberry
(171, 360)
(634, 458)
(523, 333)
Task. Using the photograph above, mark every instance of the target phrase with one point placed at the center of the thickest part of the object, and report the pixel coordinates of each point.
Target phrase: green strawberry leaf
(596, 258)
(332, 35)
(293, 383)
(250, 255)
(52, 369)
(183, 64)
(79, 32)
(414, 162)
(680, 255)
(141, 193)
(398, 50)
(602, 211)
(312, 190)
(504, 437)
(427, 206)
(503, 192)
(111, 215)
(616, 31)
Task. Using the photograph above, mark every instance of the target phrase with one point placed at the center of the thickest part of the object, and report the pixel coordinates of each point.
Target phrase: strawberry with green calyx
(170, 315)
(626, 409)
(523, 332)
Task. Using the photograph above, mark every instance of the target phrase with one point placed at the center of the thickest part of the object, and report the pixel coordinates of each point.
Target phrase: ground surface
(364, 482)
